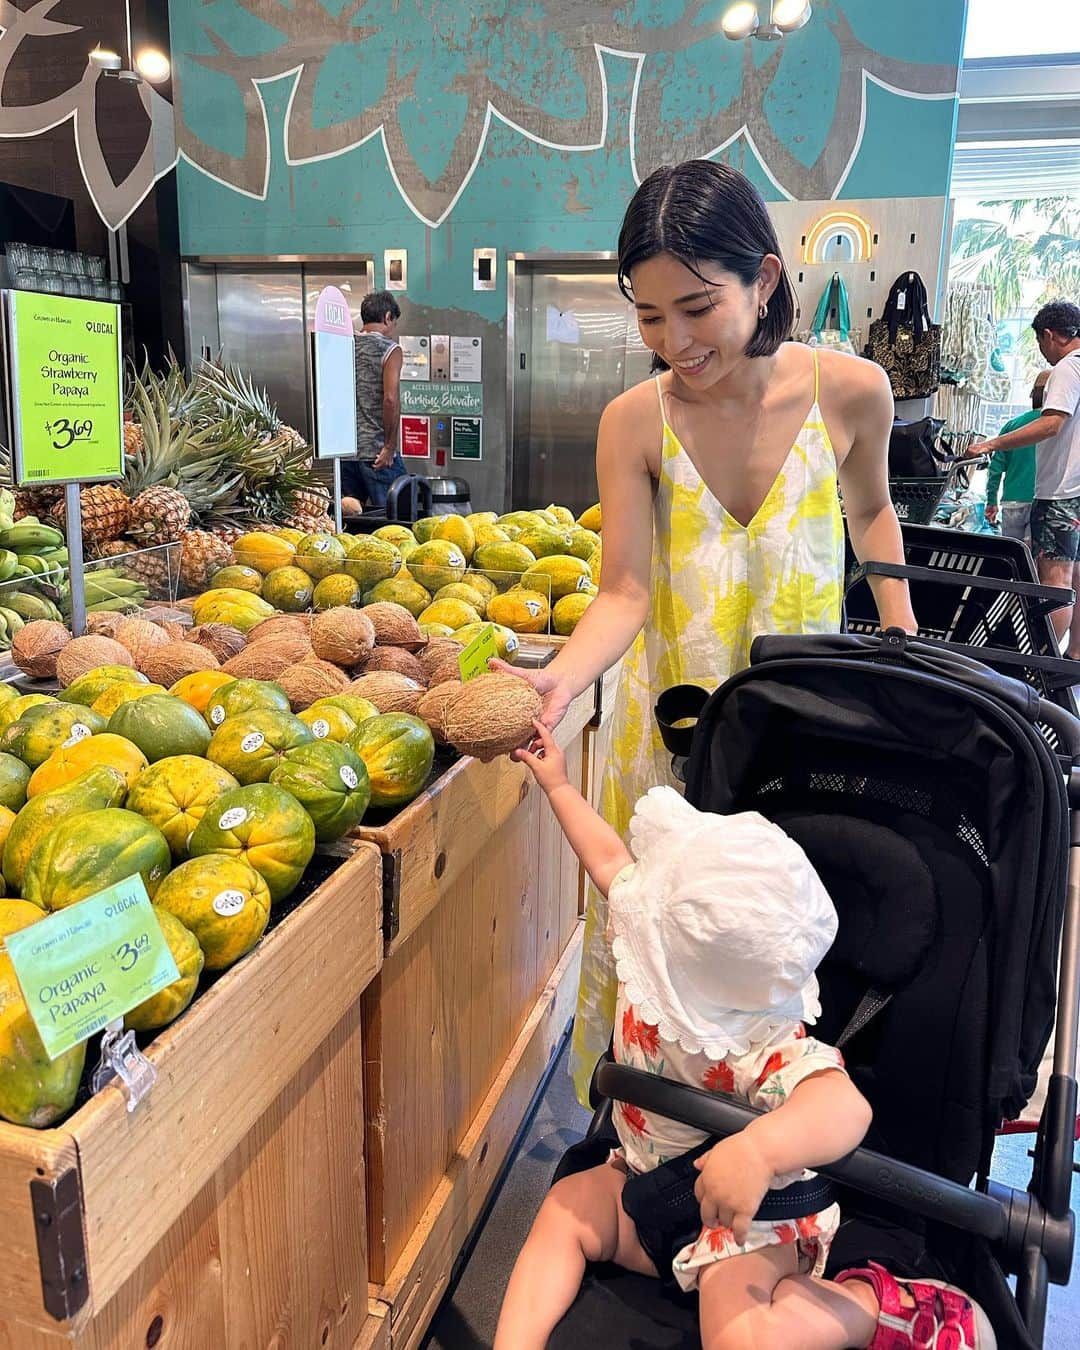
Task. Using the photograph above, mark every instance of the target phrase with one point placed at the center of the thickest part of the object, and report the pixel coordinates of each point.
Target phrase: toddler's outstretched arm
(602, 853)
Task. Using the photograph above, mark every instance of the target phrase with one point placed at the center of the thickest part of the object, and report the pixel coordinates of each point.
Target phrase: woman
(718, 490)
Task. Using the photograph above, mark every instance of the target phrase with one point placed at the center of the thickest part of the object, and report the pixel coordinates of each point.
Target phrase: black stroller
(923, 786)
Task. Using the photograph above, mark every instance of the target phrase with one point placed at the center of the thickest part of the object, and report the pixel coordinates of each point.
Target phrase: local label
(78, 732)
(235, 815)
(252, 742)
(455, 560)
(228, 903)
(584, 583)
(217, 715)
(348, 776)
(534, 607)
(320, 729)
(321, 545)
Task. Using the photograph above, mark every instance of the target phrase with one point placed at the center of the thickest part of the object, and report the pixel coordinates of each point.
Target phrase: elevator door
(576, 347)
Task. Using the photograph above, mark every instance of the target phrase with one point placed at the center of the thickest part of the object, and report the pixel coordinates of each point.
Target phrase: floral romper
(764, 1078)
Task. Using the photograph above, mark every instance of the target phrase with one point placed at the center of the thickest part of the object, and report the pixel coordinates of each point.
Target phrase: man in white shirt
(1055, 512)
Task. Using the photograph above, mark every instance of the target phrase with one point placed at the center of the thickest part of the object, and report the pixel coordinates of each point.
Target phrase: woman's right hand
(555, 690)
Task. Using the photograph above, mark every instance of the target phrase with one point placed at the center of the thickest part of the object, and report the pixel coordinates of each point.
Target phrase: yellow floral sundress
(716, 585)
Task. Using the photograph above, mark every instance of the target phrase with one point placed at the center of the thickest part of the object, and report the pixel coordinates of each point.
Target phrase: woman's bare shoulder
(851, 383)
(633, 419)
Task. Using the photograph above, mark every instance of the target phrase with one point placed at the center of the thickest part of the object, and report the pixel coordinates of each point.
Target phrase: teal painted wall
(338, 126)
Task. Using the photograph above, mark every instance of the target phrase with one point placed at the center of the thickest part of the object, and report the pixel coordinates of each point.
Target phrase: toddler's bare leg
(581, 1219)
(758, 1300)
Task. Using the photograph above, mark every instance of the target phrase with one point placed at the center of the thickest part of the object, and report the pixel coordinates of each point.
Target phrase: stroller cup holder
(676, 712)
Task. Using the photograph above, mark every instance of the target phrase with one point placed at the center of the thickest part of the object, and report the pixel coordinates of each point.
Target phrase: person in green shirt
(1018, 469)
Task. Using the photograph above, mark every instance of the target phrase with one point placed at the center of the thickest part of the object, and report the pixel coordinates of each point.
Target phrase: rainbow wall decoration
(828, 234)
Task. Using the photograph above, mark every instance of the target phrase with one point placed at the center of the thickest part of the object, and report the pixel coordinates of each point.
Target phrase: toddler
(717, 925)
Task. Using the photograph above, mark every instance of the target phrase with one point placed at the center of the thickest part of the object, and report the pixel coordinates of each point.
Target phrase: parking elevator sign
(66, 398)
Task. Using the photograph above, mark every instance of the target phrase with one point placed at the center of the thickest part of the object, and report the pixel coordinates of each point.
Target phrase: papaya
(288, 589)
(320, 556)
(14, 708)
(90, 686)
(506, 640)
(335, 591)
(397, 750)
(370, 561)
(523, 611)
(250, 744)
(490, 534)
(564, 574)
(396, 535)
(472, 595)
(456, 529)
(436, 563)
(174, 793)
(266, 827)
(263, 551)
(503, 564)
(545, 540)
(17, 914)
(583, 543)
(590, 519)
(7, 819)
(162, 726)
(478, 518)
(239, 578)
(43, 729)
(69, 761)
(330, 782)
(562, 514)
(93, 790)
(8, 694)
(14, 776)
(92, 850)
(241, 696)
(123, 691)
(167, 1004)
(400, 591)
(34, 1089)
(222, 900)
(568, 611)
(197, 688)
(422, 528)
(452, 612)
(327, 724)
(359, 709)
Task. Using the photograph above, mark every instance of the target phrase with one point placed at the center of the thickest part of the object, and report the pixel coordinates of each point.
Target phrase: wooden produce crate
(226, 1210)
(482, 953)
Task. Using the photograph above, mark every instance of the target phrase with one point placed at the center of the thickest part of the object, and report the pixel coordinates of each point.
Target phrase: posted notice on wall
(466, 437)
(460, 400)
(415, 438)
(466, 359)
(415, 358)
(333, 369)
(66, 396)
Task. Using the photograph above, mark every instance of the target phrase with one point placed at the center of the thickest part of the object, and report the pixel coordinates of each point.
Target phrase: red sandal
(942, 1318)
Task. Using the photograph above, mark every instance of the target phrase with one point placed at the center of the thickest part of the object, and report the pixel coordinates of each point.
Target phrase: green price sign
(473, 659)
(65, 376)
(86, 965)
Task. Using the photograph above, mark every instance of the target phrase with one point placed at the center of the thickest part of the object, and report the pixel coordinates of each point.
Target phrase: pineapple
(133, 438)
(158, 568)
(41, 502)
(105, 512)
(203, 553)
(159, 515)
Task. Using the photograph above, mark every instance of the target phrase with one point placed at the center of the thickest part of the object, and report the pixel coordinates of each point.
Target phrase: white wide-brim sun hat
(718, 927)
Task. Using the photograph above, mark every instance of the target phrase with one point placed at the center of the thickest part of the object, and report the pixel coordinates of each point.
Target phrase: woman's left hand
(734, 1177)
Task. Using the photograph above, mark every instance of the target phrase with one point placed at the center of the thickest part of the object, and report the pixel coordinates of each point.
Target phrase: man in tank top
(377, 356)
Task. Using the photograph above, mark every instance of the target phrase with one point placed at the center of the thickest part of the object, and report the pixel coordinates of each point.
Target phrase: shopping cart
(916, 500)
(980, 594)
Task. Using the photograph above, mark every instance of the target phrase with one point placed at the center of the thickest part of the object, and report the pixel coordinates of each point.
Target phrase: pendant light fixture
(150, 64)
(743, 19)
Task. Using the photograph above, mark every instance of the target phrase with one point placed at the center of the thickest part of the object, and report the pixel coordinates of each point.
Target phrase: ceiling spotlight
(105, 59)
(785, 16)
(739, 20)
(791, 15)
(153, 65)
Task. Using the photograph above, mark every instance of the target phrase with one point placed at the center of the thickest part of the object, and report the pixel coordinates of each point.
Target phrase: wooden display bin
(227, 1210)
(476, 990)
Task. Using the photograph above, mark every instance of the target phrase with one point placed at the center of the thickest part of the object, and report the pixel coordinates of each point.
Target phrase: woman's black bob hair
(701, 212)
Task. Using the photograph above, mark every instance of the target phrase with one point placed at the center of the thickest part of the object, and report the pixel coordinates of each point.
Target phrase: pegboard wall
(903, 234)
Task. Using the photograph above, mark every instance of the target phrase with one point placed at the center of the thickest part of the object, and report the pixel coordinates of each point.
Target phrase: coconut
(140, 636)
(394, 626)
(394, 658)
(85, 653)
(389, 691)
(342, 635)
(433, 706)
(437, 653)
(36, 645)
(491, 715)
(176, 631)
(218, 638)
(280, 624)
(104, 625)
(165, 665)
(312, 679)
(265, 660)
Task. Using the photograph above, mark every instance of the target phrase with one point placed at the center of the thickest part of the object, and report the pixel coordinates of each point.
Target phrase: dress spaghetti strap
(816, 379)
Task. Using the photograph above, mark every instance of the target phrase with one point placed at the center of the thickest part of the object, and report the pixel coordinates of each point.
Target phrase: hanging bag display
(904, 342)
(833, 304)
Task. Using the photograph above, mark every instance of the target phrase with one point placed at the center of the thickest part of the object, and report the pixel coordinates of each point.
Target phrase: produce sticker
(87, 965)
(473, 659)
(65, 367)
